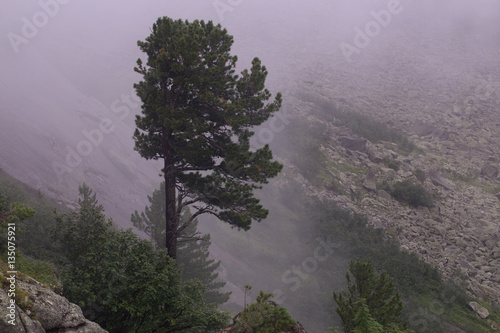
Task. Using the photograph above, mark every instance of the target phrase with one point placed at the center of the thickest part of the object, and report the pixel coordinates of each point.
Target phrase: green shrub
(391, 163)
(263, 316)
(413, 194)
(42, 271)
(122, 282)
(33, 235)
(420, 174)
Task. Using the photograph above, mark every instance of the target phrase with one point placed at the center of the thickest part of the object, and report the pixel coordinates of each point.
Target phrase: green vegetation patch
(408, 192)
(431, 304)
(420, 174)
(360, 124)
(42, 271)
(349, 168)
(391, 163)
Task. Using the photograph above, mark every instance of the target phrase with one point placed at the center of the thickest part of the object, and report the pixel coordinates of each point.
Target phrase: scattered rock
(422, 129)
(389, 174)
(496, 253)
(439, 180)
(369, 182)
(490, 243)
(441, 135)
(48, 312)
(298, 329)
(489, 171)
(481, 311)
(353, 143)
(384, 195)
(373, 157)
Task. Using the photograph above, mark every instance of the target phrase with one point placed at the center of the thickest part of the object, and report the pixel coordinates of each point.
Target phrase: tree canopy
(123, 282)
(197, 116)
(263, 316)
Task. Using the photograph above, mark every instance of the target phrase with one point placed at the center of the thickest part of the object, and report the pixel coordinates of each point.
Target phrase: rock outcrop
(39, 309)
(489, 171)
(481, 311)
(353, 143)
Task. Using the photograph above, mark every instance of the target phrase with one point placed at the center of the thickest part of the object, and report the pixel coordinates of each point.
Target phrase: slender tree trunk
(170, 211)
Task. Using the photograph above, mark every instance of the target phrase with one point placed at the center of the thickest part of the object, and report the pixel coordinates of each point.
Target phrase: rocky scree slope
(460, 234)
(449, 107)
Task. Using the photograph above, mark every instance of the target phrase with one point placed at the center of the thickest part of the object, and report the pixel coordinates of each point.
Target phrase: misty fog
(68, 74)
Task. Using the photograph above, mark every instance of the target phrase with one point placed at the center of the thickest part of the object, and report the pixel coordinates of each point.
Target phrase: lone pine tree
(197, 116)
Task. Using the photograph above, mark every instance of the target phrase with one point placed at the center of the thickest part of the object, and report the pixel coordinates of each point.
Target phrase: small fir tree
(368, 289)
(193, 248)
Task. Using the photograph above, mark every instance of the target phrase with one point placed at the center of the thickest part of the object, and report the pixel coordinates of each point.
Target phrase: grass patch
(466, 319)
(42, 271)
(349, 168)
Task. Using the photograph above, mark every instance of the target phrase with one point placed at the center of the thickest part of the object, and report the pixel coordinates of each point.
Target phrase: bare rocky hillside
(449, 107)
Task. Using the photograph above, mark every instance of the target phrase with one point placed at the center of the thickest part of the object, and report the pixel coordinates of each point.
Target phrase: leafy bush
(123, 282)
(420, 174)
(33, 234)
(392, 163)
(263, 316)
(413, 194)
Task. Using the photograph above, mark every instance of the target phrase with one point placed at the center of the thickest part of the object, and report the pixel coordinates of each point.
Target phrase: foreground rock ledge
(48, 312)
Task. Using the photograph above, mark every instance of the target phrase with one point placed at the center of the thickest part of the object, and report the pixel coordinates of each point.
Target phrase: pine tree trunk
(170, 211)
